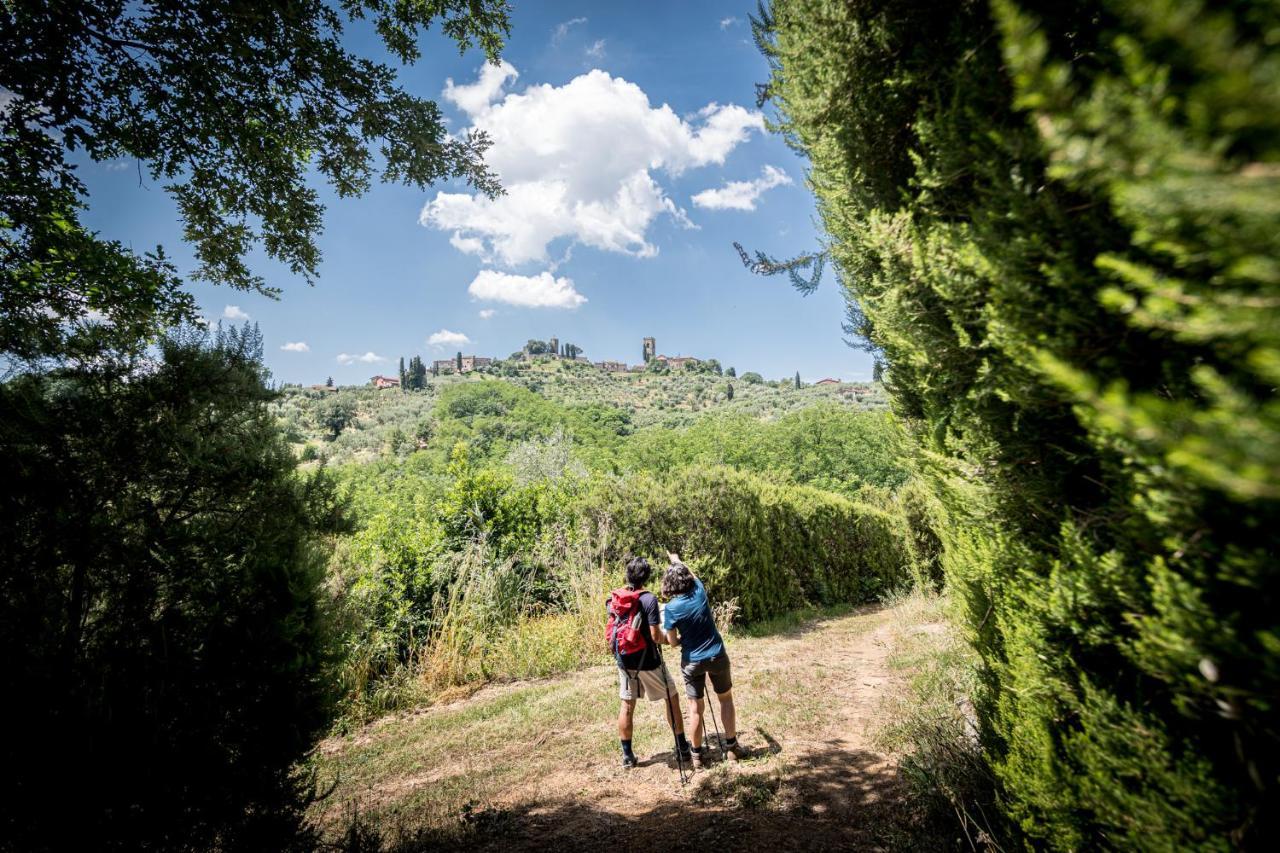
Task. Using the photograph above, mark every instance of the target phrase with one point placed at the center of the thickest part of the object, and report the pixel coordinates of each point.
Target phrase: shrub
(1057, 223)
(161, 613)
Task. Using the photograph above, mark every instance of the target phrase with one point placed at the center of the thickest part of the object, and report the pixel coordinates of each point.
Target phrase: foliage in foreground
(229, 110)
(161, 613)
(1057, 222)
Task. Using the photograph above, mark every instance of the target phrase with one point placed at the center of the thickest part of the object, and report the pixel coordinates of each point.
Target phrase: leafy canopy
(232, 106)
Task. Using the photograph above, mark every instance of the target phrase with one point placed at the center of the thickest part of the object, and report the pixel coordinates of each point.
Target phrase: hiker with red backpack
(635, 637)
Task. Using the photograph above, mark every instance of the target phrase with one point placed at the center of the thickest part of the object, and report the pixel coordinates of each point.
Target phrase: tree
(797, 380)
(162, 604)
(752, 378)
(877, 371)
(337, 414)
(458, 361)
(731, 373)
(1049, 217)
(404, 377)
(230, 111)
(416, 376)
(328, 383)
(535, 347)
(728, 391)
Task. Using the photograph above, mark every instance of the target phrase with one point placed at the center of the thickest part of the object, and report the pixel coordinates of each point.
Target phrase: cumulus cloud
(579, 162)
(742, 195)
(562, 29)
(367, 358)
(487, 313)
(526, 291)
(295, 346)
(473, 97)
(596, 51)
(233, 312)
(446, 338)
(467, 245)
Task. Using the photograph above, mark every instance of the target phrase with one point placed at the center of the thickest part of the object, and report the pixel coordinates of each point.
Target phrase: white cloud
(233, 312)
(725, 23)
(467, 245)
(596, 51)
(742, 195)
(446, 338)
(487, 313)
(527, 291)
(579, 162)
(367, 358)
(295, 346)
(562, 29)
(474, 97)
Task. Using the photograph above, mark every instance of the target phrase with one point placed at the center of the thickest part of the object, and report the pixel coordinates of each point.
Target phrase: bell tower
(650, 350)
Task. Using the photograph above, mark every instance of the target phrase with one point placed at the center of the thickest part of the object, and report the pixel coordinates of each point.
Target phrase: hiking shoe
(628, 761)
(685, 757)
(736, 751)
(701, 758)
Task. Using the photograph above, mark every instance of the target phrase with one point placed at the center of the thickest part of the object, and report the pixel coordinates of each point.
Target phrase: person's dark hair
(677, 581)
(638, 572)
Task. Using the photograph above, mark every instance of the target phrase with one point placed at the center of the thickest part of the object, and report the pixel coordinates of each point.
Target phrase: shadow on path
(833, 799)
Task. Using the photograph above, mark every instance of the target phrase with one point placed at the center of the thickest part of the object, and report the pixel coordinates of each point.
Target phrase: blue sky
(633, 155)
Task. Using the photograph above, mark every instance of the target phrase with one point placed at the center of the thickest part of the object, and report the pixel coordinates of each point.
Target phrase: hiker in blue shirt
(688, 623)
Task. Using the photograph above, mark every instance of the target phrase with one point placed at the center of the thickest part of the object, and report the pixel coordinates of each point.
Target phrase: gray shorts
(652, 684)
(696, 672)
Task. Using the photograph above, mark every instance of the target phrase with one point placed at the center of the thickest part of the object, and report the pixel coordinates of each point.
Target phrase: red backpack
(624, 630)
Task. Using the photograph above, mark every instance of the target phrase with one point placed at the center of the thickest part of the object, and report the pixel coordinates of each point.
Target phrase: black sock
(682, 742)
(730, 741)
(626, 749)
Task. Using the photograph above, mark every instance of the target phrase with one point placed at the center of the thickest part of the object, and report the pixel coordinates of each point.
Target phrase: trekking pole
(671, 716)
(719, 738)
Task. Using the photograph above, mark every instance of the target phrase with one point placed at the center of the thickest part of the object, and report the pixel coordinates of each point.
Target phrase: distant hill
(366, 419)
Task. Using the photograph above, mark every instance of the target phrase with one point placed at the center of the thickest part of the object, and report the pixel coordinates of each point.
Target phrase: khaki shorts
(652, 684)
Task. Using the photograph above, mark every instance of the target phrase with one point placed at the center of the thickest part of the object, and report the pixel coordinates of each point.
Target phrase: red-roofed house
(385, 382)
(828, 381)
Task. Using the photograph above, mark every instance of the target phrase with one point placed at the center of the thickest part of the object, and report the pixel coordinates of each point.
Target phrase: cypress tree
(1057, 223)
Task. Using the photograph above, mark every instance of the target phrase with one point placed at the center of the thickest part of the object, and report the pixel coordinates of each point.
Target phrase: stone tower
(553, 343)
(650, 350)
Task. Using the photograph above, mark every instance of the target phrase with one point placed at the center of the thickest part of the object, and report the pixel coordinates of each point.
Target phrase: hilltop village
(552, 348)
(549, 350)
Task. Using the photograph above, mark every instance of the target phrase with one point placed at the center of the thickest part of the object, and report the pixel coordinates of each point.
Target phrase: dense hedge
(1059, 222)
(771, 547)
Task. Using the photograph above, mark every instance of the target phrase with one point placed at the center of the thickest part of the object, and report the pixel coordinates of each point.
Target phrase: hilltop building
(450, 365)
(679, 362)
(650, 349)
(384, 382)
(828, 381)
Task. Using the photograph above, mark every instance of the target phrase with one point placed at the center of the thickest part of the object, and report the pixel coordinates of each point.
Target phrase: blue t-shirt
(690, 614)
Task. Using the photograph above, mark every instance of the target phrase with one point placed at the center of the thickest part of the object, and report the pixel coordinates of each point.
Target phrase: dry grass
(537, 761)
(927, 719)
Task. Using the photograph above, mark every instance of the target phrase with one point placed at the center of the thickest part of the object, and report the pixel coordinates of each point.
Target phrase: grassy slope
(652, 400)
(534, 764)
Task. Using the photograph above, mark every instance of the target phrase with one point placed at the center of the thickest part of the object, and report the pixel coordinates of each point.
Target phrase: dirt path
(534, 766)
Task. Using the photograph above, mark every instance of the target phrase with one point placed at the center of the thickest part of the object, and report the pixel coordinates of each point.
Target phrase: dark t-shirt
(648, 657)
